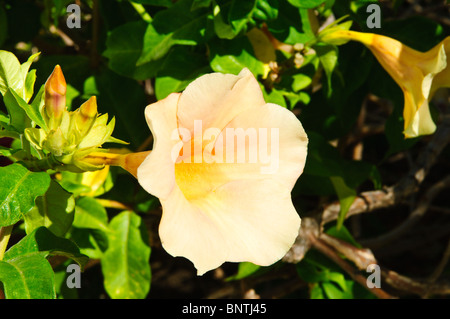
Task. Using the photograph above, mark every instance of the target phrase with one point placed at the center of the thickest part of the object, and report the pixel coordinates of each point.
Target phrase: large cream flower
(218, 208)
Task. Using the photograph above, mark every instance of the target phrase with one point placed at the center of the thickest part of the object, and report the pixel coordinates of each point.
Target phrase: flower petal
(239, 221)
(286, 143)
(217, 98)
(274, 146)
(157, 172)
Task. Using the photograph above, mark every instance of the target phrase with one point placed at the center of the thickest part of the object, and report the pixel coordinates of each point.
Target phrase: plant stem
(141, 11)
(5, 234)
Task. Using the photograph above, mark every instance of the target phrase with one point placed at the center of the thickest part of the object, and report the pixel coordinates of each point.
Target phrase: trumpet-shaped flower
(223, 165)
(419, 74)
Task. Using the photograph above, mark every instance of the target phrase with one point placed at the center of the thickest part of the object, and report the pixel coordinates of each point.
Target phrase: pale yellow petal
(157, 172)
(239, 221)
(217, 98)
(262, 142)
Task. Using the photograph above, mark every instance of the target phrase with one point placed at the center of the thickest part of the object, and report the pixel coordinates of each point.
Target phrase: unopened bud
(86, 115)
(55, 142)
(55, 94)
(89, 108)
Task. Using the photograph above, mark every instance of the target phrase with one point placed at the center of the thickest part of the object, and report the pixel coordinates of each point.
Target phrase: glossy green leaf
(240, 13)
(44, 243)
(346, 197)
(54, 210)
(28, 77)
(163, 3)
(32, 112)
(18, 118)
(266, 9)
(180, 68)
(245, 269)
(176, 25)
(232, 56)
(27, 277)
(288, 27)
(89, 213)
(309, 4)
(123, 98)
(18, 190)
(10, 76)
(124, 46)
(328, 57)
(197, 4)
(125, 264)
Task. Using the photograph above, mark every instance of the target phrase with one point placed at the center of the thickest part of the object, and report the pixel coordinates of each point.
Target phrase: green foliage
(132, 53)
(18, 191)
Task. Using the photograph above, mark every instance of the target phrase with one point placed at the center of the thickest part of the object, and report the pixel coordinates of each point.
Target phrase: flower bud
(55, 94)
(55, 142)
(86, 115)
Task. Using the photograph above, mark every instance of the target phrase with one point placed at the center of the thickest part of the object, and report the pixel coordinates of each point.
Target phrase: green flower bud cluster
(70, 135)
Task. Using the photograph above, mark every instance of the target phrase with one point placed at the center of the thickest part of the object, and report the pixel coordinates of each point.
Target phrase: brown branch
(412, 219)
(363, 257)
(330, 253)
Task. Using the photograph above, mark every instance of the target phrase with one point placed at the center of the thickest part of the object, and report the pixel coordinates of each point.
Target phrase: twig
(330, 253)
(412, 219)
(361, 257)
(441, 266)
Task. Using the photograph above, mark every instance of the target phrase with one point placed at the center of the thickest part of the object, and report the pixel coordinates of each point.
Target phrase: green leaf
(266, 9)
(18, 190)
(346, 197)
(241, 12)
(28, 78)
(197, 4)
(309, 4)
(301, 81)
(232, 56)
(342, 234)
(10, 76)
(89, 213)
(124, 46)
(328, 57)
(27, 277)
(54, 210)
(31, 111)
(18, 118)
(162, 3)
(114, 92)
(125, 264)
(44, 243)
(180, 68)
(176, 25)
(289, 26)
(245, 269)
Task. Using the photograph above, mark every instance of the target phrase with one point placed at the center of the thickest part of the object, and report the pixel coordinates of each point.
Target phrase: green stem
(25, 145)
(141, 11)
(5, 234)
(42, 165)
